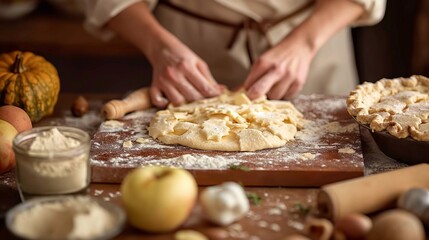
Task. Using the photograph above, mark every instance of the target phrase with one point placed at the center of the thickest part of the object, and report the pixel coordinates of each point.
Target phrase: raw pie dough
(230, 122)
(399, 106)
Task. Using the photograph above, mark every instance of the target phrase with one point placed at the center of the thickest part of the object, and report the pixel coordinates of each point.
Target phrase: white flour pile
(52, 140)
(72, 218)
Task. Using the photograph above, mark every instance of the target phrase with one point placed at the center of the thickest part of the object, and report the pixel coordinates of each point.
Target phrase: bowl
(54, 222)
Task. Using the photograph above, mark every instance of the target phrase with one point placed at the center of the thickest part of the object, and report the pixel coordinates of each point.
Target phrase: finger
(175, 97)
(157, 98)
(278, 91)
(185, 88)
(188, 90)
(202, 83)
(263, 85)
(293, 90)
(205, 71)
(260, 68)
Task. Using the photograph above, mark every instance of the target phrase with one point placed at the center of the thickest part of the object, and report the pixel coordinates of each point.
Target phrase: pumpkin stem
(18, 66)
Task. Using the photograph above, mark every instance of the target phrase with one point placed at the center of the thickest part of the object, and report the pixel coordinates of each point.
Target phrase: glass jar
(57, 169)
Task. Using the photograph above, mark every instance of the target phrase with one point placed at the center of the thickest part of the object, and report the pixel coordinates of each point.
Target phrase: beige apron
(229, 51)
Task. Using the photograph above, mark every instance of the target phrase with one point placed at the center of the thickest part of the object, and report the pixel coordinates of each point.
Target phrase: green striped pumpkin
(30, 82)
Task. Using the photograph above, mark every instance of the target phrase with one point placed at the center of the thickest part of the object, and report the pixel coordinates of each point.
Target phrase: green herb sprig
(239, 167)
(254, 198)
(301, 209)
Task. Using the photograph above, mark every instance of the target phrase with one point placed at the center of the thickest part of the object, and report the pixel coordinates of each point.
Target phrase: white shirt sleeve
(99, 12)
(374, 12)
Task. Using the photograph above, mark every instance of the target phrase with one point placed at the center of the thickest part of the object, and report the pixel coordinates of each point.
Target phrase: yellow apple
(158, 199)
(7, 156)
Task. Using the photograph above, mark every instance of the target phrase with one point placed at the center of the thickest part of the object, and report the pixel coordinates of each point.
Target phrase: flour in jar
(52, 140)
(54, 163)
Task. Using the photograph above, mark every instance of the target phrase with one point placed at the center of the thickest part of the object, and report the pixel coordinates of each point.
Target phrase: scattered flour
(127, 144)
(193, 161)
(336, 127)
(346, 150)
(88, 122)
(314, 130)
(323, 132)
(112, 125)
(200, 161)
(307, 156)
(142, 140)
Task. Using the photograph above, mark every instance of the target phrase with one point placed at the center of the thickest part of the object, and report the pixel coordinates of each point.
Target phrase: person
(277, 48)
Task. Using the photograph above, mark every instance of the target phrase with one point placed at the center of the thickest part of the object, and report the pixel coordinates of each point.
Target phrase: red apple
(7, 156)
(16, 116)
(158, 199)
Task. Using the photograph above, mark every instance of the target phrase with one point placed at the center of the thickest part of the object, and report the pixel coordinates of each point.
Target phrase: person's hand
(180, 76)
(280, 72)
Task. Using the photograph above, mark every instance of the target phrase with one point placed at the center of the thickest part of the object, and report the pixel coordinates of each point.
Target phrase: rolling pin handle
(369, 194)
(137, 100)
(110, 110)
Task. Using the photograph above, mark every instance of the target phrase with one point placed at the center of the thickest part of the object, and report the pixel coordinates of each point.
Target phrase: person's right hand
(180, 76)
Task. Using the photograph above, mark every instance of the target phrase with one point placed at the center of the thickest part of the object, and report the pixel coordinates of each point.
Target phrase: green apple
(158, 199)
(7, 156)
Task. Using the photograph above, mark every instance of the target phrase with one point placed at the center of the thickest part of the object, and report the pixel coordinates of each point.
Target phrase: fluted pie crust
(399, 106)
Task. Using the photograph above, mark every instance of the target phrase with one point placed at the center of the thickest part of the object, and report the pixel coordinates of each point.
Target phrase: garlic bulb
(224, 204)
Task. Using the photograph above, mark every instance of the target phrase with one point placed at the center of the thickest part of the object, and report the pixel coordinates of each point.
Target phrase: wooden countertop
(275, 217)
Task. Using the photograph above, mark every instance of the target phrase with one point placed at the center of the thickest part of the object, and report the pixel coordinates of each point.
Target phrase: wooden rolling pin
(369, 194)
(137, 100)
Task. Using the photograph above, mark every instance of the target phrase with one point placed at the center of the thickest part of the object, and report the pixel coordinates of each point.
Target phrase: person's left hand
(281, 71)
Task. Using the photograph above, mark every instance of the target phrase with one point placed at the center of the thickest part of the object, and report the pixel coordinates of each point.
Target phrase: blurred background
(396, 47)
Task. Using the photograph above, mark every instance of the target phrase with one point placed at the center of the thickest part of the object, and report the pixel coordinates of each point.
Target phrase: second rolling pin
(137, 100)
(369, 194)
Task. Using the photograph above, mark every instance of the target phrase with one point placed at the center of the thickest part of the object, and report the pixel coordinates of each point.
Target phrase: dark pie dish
(406, 150)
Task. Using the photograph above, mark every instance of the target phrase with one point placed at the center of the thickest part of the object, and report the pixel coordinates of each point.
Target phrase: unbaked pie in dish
(399, 106)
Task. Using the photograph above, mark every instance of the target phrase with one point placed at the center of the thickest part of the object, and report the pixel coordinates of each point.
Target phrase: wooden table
(276, 216)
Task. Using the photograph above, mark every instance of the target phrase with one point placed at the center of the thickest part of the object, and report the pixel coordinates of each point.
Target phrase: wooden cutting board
(328, 149)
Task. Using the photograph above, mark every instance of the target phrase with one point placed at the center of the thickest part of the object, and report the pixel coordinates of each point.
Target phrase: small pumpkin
(30, 82)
